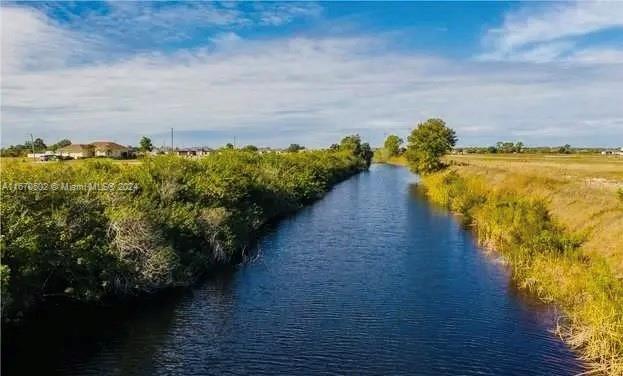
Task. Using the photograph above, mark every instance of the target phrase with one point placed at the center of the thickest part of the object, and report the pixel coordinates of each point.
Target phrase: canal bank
(510, 200)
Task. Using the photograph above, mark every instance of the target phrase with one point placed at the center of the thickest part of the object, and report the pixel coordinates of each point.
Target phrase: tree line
(506, 147)
(38, 145)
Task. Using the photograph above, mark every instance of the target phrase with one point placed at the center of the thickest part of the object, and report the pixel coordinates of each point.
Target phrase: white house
(109, 149)
(47, 155)
(193, 152)
(76, 151)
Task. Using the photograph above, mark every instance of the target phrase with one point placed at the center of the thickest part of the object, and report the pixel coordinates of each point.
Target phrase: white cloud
(541, 53)
(276, 14)
(559, 21)
(304, 90)
(545, 33)
(597, 56)
(31, 41)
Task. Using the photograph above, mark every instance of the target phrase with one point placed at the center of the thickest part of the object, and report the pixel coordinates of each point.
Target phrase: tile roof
(107, 145)
(75, 148)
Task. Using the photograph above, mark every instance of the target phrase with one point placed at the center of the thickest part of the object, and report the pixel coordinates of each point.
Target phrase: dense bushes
(545, 259)
(96, 228)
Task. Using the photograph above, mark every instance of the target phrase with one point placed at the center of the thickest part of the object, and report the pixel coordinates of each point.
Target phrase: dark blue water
(369, 280)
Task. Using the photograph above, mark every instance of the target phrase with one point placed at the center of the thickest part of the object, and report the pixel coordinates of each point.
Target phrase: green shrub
(184, 217)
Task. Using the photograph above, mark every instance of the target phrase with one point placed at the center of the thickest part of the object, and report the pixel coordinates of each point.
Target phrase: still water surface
(369, 280)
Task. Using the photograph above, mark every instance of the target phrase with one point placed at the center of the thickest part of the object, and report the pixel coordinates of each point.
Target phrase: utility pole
(32, 144)
(171, 140)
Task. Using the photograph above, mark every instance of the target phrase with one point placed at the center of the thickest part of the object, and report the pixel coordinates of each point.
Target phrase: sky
(275, 73)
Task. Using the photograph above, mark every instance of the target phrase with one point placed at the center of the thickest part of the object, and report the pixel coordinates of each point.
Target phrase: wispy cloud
(289, 89)
(544, 33)
(155, 25)
(276, 14)
(596, 55)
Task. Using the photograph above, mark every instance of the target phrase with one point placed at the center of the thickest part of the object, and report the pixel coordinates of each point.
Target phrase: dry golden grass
(398, 161)
(580, 192)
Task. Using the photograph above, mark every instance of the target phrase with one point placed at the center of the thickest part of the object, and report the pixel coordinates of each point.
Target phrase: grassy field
(558, 220)
(580, 192)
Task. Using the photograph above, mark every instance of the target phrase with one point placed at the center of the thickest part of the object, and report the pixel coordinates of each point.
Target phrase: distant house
(193, 152)
(36, 155)
(133, 151)
(612, 152)
(201, 152)
(76, 151)
(110, 149)
(45, 156)
(185, 152)
(157, 151)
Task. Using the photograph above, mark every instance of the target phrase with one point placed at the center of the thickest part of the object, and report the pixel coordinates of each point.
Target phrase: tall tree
(145, 144)
(392, 145)
(366, 153)
(566, 149)
(353, 144)
(61, 144)
(294, 148)
(428, 143)
(39, 145)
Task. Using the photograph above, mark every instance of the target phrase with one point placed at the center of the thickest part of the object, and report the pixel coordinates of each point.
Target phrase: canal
(369, 280)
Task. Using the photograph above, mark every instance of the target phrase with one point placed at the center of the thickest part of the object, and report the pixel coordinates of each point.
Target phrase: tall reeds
(546, 259)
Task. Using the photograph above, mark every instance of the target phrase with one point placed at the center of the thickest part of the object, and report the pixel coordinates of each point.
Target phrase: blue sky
(272, 73)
